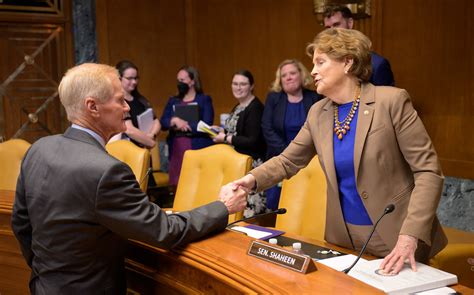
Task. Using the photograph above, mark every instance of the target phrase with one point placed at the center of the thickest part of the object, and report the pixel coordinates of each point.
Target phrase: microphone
(148, 172)
(387, 210)
(276, 211)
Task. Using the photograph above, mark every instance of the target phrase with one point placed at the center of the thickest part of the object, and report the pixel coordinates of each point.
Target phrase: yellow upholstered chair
(11, 154)
(138, 159)
(204, 172)
(304, 197)
(161, 178)
(458, 256)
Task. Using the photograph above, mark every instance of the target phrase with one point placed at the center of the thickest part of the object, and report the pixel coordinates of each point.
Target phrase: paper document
(407, 281)
(145, 120)
(257, 234)
(340, 262)
(203, 127)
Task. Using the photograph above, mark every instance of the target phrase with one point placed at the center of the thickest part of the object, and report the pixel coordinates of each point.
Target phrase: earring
(345, 72)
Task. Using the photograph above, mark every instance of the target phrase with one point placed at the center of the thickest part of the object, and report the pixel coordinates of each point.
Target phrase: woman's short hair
(339, 43)
(193, 75)
(305, 76)
(245, 73)
(85, 80)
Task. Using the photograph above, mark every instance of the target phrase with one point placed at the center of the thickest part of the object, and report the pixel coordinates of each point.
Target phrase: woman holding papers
(242, 130)
(286, 108)
(374, 151)
(140, 108)
(181, 116)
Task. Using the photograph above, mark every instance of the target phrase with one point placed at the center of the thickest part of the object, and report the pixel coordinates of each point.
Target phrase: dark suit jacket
(381, 71)
(249, 139)
(75, 207)
(394, 161)
(206, 113)
(273, 120)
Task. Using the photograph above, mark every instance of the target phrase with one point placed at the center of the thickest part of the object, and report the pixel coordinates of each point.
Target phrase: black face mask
(183, 88)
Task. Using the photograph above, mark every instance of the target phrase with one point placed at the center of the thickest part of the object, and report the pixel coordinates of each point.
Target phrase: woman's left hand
(219, 137)
(404, 251)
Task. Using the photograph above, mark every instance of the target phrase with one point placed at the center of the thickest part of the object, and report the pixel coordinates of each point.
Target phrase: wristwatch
(225, 139)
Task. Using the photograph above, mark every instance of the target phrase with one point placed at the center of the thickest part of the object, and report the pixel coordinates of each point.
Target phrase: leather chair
(304, 197)
(204, 172)
(11, 154)
(458, 256)
(161, 178)
(138, 159)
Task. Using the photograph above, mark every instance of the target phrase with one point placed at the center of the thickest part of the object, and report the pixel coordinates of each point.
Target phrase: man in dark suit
(339, 16)
(76, 205)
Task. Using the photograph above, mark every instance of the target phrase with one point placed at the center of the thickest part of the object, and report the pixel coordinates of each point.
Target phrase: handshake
(234, 194)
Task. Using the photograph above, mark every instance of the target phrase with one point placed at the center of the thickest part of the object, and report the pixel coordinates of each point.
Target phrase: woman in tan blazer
(374, 151)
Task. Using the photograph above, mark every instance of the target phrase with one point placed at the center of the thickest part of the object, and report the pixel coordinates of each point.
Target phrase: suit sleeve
(123, 208)
(273, 139)
(252, 127)
(383, 75)
(21, 225)
(415, 144)
(295, 157)
(168, 113)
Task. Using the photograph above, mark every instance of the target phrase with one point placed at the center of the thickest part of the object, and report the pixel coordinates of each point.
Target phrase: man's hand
(234, 197)
(404, 251)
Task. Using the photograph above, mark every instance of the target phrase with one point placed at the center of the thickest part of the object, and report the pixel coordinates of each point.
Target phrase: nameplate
(281, 256)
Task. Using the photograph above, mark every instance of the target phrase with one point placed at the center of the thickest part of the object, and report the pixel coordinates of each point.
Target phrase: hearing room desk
(220, 265)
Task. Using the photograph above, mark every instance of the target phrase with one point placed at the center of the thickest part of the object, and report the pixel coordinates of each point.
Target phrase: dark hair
(333, 9)
(245, 73)
(123, 65)
(193, 75)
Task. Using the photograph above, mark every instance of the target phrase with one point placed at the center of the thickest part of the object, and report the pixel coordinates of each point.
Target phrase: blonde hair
(340, 43)
(82, 81)
(305, 76)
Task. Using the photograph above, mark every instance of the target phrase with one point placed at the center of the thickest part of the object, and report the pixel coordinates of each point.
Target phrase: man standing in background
(339, 16)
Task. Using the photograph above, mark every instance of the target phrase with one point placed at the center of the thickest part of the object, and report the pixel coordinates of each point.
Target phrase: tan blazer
(394, 162)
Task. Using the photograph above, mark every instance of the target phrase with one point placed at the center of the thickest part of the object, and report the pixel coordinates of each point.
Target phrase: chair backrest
(161, 178)
(137, 158)
(204, 172)
(11, 154)
(304, 197)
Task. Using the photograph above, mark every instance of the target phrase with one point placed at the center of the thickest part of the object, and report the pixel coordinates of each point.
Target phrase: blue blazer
(206, 113)
(381, 72)
(273, 119)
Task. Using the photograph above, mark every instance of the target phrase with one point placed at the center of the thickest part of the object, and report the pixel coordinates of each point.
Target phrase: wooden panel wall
(428, 45)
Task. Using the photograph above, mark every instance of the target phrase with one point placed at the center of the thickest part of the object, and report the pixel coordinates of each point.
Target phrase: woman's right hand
(180, 124)
(247, 182)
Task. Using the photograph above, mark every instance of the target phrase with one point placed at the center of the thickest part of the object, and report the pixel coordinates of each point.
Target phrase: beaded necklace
(341, 128)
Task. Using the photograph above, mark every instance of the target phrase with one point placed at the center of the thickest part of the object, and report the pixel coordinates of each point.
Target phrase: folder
(189, 112)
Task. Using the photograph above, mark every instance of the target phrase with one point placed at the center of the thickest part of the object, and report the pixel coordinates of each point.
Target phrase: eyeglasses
(131, 78)
(242, 84)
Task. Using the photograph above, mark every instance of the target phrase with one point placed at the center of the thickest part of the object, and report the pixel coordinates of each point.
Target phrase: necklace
(341, 128)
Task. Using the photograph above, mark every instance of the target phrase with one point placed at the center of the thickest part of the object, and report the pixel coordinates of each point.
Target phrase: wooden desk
(217, 265)
(220, 265)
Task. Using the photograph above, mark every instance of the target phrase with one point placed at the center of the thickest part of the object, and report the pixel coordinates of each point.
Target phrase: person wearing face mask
(138, 104)
(286, 108)
(183, 135)
(243, 131)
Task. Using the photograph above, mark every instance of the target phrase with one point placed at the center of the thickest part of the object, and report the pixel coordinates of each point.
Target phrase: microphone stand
(387, 210)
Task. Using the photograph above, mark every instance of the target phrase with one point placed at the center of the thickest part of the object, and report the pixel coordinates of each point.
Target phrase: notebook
(189, 112)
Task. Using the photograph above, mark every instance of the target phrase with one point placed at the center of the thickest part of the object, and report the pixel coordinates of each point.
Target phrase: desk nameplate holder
(281, 256)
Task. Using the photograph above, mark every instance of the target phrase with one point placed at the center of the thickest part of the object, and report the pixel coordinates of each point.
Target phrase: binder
(189, 112)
